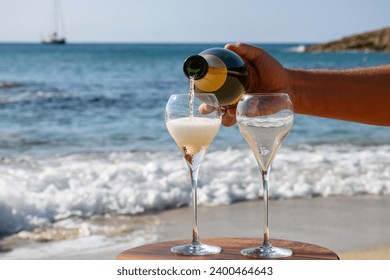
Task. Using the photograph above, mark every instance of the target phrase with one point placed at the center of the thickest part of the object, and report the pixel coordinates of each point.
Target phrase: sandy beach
(353, 227)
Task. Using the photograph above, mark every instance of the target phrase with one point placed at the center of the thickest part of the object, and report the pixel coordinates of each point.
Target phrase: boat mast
(59, 26)
(57, 36)
(56, 21)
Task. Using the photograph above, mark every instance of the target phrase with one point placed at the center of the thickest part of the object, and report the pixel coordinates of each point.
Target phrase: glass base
(268, 252)
(196, 249)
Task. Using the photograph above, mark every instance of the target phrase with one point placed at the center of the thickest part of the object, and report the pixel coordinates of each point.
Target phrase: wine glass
(193, 133)
(264, 120)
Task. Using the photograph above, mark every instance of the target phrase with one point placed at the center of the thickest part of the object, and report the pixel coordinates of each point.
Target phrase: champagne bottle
(218, 71)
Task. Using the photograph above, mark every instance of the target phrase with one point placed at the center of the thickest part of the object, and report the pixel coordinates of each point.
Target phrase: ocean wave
(28, 96)
(297, 49)
(7, 85)
(37, 192)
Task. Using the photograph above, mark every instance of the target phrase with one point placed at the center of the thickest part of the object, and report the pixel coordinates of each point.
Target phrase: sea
(83, 138)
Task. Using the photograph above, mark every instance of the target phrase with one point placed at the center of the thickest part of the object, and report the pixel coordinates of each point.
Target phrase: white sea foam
(26, 96)
(297, 49)
(39, 191)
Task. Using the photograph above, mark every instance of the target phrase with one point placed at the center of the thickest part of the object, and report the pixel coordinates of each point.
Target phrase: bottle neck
(195, 67)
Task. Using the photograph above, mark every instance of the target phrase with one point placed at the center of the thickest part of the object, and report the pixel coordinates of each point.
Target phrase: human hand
(266, 74)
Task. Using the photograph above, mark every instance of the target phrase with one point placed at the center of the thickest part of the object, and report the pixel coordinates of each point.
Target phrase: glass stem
(194, 182)
(265, 177)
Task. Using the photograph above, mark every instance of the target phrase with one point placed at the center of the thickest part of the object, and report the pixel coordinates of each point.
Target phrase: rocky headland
(378, 40)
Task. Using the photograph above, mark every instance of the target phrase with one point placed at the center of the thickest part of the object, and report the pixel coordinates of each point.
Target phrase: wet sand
(353, 227)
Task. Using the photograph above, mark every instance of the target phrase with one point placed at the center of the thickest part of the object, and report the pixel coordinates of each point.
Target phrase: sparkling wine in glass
(264, 120)
(193, 132)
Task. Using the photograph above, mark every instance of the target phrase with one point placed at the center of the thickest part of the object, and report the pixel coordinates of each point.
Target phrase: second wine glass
(193, 132)
(264, 120)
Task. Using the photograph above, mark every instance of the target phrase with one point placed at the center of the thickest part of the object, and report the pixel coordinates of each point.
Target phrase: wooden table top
(231, 248)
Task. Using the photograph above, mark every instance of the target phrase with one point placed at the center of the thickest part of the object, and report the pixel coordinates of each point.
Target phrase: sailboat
(54, 37)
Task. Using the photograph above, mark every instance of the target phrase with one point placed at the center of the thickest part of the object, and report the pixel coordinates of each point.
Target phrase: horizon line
(156, 42)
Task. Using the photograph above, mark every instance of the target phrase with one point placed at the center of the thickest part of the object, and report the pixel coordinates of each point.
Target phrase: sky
(173, 21)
